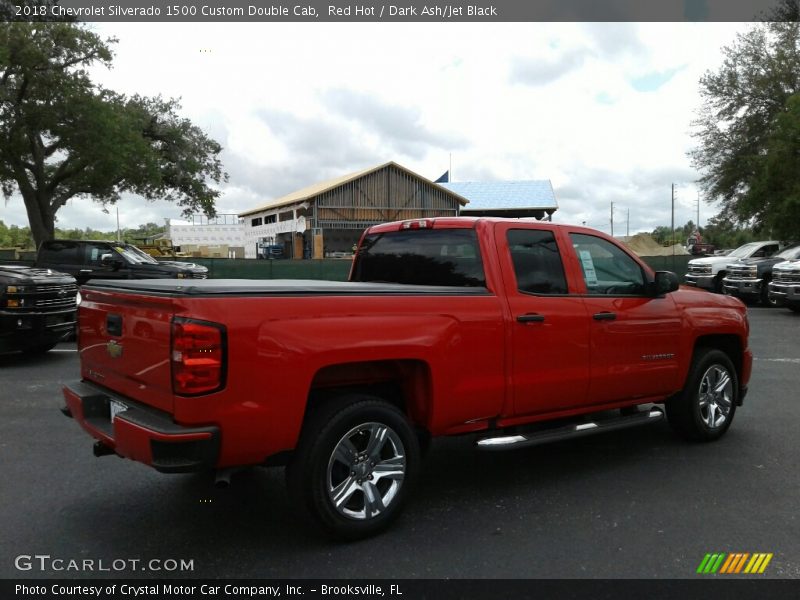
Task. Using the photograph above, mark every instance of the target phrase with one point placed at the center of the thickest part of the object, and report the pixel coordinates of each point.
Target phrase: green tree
(664, 235)
(62, 137)
(748, 128)
(147, 230)
(724, 233)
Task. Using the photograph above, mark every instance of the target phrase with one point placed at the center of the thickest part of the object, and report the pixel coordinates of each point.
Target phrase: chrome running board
(576, 430)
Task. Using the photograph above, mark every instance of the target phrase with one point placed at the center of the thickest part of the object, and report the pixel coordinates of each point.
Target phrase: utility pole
(672, 241)
(698, 212)
(628, 226)
(612, 219)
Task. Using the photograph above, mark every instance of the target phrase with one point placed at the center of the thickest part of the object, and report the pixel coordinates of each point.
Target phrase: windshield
(134, 255)
(745, 251)
(790, 253)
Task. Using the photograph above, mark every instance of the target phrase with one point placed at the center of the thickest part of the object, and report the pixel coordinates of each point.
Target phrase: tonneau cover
(283, 287)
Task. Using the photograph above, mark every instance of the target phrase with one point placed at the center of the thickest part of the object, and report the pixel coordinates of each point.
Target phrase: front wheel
(704, 410)
(354, 467)
(717, 284)
(766, 300)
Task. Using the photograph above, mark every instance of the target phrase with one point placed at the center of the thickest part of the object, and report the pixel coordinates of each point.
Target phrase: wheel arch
(405, 383)
(731, 345)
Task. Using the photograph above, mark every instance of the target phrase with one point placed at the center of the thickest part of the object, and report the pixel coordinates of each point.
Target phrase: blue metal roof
(505, 195)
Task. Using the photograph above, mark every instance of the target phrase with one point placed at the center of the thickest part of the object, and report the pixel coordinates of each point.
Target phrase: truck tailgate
(124, 344)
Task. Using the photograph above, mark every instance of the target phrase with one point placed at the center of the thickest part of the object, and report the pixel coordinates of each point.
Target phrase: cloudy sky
(602, 110)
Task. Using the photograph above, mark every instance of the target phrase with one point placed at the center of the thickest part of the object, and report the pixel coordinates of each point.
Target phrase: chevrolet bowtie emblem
(114, 349)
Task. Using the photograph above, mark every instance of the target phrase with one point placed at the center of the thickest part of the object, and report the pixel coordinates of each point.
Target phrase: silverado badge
(114, 349)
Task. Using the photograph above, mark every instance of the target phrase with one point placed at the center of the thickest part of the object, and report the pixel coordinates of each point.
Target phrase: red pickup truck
(516, 332)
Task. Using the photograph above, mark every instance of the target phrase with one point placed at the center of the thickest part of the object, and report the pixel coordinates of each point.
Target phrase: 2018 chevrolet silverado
(516, 332)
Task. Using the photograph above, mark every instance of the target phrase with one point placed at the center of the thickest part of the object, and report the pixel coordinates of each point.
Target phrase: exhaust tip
(222, 479)
(100, 449)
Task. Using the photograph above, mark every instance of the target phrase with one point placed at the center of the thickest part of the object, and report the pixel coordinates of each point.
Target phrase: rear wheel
(355, 465)
(794, 306)
(704, 410)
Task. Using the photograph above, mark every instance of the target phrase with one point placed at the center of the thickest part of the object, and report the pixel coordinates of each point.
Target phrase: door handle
(604, 316)
(530, 318)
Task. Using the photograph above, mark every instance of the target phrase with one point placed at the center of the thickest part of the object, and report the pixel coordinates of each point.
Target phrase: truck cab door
(634, 336)
(549, 328)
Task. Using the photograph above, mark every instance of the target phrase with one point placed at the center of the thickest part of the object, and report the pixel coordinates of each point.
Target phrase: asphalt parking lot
(639, 503)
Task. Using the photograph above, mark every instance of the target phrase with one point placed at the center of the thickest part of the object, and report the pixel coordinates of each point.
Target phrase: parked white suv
(708, 272)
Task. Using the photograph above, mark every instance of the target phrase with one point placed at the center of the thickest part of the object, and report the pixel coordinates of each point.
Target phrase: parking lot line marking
(793, 361)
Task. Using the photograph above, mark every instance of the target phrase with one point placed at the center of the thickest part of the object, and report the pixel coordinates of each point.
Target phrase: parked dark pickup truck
(99, 259)
(516, 332)
(784, 289)
(37, 308)
(749, 278)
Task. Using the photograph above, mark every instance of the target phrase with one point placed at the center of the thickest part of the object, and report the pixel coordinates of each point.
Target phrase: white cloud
(293, 104)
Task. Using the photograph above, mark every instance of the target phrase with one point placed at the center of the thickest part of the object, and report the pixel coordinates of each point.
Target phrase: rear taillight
(198, 357)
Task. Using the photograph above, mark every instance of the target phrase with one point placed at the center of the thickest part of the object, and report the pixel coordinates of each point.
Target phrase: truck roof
(470, 223)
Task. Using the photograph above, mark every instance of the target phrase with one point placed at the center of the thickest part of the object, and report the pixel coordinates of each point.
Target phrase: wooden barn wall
(386, 195)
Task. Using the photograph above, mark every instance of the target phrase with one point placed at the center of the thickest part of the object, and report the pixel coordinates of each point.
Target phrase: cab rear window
(58, 252)
(446, 257)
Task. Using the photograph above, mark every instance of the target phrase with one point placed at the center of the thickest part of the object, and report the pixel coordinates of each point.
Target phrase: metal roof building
(327, 218)
(527, 198)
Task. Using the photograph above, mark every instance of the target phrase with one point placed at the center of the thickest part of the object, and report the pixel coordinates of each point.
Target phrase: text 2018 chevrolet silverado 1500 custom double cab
(517, 332)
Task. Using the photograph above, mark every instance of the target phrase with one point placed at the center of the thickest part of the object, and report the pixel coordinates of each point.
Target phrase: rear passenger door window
(537, 262)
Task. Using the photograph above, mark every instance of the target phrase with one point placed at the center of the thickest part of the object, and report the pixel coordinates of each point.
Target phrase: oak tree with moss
(749, 127)
(63, 136)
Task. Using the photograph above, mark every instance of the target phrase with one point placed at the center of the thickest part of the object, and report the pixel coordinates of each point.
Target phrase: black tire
(718, 288)
(358, 444)
(696, 415)
(765, 299)
(794, 306)
(39, 350)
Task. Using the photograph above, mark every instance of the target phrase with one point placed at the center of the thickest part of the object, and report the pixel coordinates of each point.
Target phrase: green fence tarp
(339, 269)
